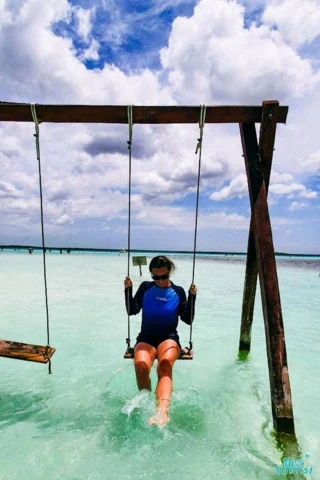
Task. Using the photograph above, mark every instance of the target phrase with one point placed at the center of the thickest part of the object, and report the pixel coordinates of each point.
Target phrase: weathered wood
(24, 351)
(266, 147)
(21, 112)
(185, 354)
(276, 349)
(249, 292)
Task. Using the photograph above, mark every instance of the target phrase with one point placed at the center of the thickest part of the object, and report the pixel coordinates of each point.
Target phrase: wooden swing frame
(260, 253)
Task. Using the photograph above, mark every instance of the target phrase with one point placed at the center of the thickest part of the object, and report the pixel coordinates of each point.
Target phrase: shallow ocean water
(88, 420)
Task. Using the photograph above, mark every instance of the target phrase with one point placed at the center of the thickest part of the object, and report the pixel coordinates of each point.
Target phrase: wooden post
(276, 349)
(266, 147)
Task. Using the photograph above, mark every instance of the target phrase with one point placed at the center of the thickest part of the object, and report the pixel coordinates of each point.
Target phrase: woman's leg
(144, 355)
(167, 352)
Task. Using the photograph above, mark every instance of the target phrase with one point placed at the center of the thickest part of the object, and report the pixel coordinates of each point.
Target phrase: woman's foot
(160, 418)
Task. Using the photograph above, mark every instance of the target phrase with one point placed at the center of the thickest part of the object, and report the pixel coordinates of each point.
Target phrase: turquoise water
(88, 421)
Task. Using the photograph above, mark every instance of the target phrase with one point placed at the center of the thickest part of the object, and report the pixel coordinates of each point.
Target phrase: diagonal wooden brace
(266, 147)
(276, 349)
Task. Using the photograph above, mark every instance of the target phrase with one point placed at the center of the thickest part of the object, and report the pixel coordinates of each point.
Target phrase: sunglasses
(160, 277)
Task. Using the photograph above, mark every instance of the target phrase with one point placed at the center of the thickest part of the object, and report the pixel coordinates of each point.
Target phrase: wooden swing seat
(185, 353)
(24, 351)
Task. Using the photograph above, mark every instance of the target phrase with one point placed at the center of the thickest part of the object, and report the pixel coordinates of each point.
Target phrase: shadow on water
(40, 410)
(15, 408)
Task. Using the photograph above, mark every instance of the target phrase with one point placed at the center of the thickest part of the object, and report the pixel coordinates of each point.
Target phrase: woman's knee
(142, 368)
(164, 368)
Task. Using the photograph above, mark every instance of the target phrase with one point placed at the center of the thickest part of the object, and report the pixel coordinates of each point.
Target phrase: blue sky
(160, 52)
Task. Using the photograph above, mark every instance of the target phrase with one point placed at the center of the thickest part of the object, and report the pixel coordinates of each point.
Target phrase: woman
(162, 302)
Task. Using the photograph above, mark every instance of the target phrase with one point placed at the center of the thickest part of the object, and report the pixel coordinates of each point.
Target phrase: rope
(130, 123)
(37, 136)
(199, 148)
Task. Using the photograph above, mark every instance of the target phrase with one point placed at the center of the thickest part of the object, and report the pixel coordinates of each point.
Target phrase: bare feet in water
(160, 418)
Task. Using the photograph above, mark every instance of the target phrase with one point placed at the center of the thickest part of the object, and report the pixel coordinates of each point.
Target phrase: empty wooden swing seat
(185, 353)
(24, 351)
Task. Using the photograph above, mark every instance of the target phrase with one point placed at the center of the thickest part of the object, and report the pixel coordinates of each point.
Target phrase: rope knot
(198, 145)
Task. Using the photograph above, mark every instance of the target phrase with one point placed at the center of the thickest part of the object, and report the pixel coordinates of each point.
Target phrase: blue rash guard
(161, 307)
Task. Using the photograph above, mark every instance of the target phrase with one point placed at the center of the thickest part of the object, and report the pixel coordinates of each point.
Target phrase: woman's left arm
(187, 307)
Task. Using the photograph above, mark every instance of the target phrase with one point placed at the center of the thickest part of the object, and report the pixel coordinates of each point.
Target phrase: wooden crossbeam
(21, 112)
(276, 349)
(266, 147)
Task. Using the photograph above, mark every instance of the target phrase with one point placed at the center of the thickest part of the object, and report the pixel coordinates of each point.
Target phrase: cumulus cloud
(161, 217)
(85, 167)
(311, 164)
(92, 52)
(297, 21)
(280, 189)
(297, 205)
(28, 41)
(238, 187)
(117, 143)
(63, 220)
(8, 190)
(278, 177)
(204, 56)
(305, 193)
(84, 21)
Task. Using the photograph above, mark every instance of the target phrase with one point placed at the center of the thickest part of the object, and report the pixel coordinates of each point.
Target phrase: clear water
(88, 420)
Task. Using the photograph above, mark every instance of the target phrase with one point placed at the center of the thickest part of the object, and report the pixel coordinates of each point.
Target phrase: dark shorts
(155, 340)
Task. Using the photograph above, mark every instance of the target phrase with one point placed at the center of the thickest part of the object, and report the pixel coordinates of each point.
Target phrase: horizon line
(147, 250)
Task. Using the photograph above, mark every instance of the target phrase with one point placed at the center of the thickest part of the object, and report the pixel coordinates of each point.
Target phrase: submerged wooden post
(276, 349)
(266, 147)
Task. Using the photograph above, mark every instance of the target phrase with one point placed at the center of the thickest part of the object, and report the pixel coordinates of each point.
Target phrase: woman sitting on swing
(162, 302)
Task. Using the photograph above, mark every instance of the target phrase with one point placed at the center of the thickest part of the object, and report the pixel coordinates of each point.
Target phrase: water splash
(140, 400)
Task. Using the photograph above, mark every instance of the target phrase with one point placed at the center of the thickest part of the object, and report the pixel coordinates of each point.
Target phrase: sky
(158, 52)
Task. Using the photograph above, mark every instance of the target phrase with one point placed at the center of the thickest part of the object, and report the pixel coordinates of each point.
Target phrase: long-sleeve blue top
(161, 307)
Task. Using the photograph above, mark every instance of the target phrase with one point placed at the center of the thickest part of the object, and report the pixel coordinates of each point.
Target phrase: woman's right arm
(133, 305)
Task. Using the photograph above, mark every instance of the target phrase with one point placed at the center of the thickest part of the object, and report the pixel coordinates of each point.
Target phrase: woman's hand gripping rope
(128, 282)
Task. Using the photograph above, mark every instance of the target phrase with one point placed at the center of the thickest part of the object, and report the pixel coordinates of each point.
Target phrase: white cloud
(277, 177)
(311, 164)
(291, 190)
(220, 61)
(210, 62)
(238, 187)
(91, 53)
(178, 218)
(308, 194)
(84, 21)
(8, 190)
(64, 219)
(29, 42)
(298, 21)
(297, 205)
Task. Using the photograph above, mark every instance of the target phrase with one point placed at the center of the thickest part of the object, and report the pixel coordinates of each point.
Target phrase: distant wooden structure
(260, 254)
(139, 260)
